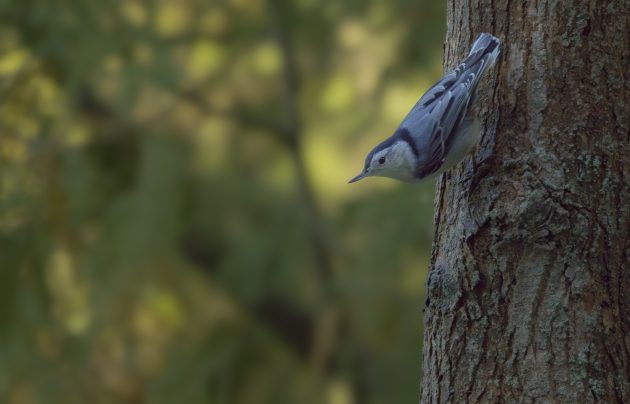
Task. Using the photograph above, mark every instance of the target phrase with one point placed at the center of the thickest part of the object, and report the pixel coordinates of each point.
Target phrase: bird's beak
(358, 177)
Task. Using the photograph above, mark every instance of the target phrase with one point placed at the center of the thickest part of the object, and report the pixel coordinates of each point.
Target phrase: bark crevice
(530, 256)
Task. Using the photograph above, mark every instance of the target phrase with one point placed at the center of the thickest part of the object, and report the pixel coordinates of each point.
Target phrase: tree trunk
(529, 287)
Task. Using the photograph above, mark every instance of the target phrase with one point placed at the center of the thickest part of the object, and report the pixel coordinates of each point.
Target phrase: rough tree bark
(529, 287)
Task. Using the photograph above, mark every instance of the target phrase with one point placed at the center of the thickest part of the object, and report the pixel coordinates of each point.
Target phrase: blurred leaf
(175, 222)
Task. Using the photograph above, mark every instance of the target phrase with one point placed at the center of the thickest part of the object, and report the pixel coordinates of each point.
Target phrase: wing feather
(435, 118)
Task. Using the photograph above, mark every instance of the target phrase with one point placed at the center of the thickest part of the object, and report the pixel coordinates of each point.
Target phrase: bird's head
(393, 158)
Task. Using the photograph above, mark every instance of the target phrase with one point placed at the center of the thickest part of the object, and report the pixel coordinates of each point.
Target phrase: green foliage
(175, 223)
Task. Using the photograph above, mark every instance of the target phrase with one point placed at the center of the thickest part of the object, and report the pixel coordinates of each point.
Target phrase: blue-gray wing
(439, 114)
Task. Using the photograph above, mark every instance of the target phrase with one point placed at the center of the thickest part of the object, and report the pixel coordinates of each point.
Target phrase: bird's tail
(487, 47)
(483, 55)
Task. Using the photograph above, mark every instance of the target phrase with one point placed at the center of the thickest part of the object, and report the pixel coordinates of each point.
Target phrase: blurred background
(175, 220)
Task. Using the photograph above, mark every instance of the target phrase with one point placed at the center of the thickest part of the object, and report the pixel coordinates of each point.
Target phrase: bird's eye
(381, 160)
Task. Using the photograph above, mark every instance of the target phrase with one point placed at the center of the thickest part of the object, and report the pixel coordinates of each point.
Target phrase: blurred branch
(292, 129)
(327, 319)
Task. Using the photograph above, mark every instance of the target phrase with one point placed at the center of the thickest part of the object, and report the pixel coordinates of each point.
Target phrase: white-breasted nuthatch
(441, 128)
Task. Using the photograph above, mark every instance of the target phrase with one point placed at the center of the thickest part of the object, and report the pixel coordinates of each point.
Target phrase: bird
(441, 128)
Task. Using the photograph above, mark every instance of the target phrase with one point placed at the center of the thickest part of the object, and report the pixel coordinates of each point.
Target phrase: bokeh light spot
(206, 57)
(172, 18)
(13, 61)
(267, 59)
(134, 12)
(338, 93)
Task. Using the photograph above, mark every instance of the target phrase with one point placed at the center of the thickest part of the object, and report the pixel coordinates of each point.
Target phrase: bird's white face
(396, 161)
